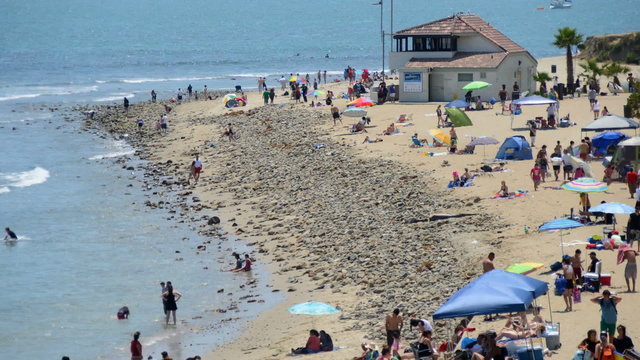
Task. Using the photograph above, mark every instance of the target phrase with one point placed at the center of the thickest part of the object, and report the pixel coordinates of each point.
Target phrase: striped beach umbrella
(316, 93)
(361, 102)
(585, 185)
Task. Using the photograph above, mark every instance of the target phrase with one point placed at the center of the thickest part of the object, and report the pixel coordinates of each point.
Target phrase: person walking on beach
(164, 302)
(272, 94)
(197, 168)
(171, 297)
(265, 96)
(11, 236)
(153, 96)
(609, 311)
(136, 347)
(205, 91)
(190, 90)
(126, 105)
(324, 75)
(487, 264)
(335, 114)
(164, 124)
(631, 269)
(319, 78)
(567, 168)
(596, 110)
(179, 95)
(502, 94)
(393, 325)
(592, 98)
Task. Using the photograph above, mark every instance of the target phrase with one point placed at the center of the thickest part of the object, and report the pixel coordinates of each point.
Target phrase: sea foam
(28, 178)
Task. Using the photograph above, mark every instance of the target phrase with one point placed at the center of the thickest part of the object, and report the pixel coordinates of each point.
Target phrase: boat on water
(560, 4)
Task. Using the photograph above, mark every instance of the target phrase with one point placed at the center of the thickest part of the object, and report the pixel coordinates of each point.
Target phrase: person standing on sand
(532, 133)
(171, 297)
(592, 98)
(569, 275)
(272, 94)
(502, 94)
(576, 263)
(633, 228)
(632, 181)
(265, 96)
(153, 96)
(536, 175)
(393, 325)
(126, 105)
(583, 148)
(609, 311)
(319, 78)
(585, 204)
(205, 91)
(487, 264)
(567, 168)
(190, 90)
(164, 124)
(439, 114)
(596, 110)
(136, 347)
(631, 269)
(324, 75)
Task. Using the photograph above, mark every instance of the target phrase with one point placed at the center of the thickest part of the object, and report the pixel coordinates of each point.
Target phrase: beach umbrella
(613, 208)
(439, 136)
(560, 224)
(361, 102)
(484, 140)
(316, 93)
(476, 85)
(533, 100)
(293, 78)
(585, 185)
(458, 118)
(355, 112)
(458, 104)
(228, 97)
(313, 308)
(231, 103)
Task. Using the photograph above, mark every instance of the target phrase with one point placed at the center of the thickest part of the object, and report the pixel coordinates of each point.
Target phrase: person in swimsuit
(171, 297)
(569, 275)
(504, 189)
(247, 264)
(536, 175)
(335, 114)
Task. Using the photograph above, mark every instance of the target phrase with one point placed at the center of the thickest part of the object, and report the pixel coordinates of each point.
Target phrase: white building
(435, 60)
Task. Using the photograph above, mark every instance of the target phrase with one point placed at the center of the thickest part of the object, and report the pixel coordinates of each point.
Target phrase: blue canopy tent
(515, 148)
(494, 292)
(609, 138)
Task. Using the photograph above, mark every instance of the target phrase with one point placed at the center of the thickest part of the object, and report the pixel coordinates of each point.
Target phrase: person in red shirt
(536, 176)
(247, 264)
(136, 347)
(312, 346)
(632, 181)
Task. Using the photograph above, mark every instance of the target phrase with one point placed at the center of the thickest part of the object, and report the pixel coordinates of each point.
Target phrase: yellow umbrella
(440, 136)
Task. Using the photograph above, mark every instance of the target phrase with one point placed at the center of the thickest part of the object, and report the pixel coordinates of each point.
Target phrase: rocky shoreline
(363, 227)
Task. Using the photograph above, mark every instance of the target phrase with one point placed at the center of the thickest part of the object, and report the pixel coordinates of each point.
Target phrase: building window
(464, 77)
(483, 75)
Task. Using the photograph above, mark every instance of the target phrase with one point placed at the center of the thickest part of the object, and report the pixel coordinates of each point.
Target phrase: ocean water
(88, 244)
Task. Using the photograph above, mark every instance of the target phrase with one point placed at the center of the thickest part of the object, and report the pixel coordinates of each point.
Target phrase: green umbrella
(476, 85)
(458, 118)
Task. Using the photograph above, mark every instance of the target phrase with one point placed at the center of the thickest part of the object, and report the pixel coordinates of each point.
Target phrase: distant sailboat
(560, 4)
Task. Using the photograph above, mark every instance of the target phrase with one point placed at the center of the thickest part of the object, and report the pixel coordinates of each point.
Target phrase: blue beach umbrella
(560, 224)
(313, 308)
(613, 208)
(458, 104)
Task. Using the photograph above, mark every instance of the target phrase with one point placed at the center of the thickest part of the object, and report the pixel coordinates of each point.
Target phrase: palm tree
(592, 70)
(542, 78)
(566, 38)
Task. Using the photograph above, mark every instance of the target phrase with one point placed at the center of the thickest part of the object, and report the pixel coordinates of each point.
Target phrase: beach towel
(513, 195)
(524, 268)
(435, 154)
(402, 124)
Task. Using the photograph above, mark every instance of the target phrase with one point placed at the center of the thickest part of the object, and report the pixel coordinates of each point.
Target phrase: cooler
(525, 354)
(552, 335)
(605, 279)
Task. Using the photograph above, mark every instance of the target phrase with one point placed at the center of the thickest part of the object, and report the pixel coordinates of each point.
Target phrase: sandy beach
(351, 224)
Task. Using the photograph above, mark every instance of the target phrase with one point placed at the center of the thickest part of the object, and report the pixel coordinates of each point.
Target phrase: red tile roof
(464, 24)
(460, 60)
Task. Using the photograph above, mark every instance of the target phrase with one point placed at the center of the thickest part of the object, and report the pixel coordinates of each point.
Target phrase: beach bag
(577, 296)
(560, 285)
(556, 266)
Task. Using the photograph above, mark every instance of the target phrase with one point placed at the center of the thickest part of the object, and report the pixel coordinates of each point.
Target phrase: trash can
(626, 111)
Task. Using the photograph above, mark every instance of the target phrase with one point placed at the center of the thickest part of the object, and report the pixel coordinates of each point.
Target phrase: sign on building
(413, 82)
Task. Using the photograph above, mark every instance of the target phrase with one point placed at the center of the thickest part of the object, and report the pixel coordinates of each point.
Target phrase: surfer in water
(11, 236)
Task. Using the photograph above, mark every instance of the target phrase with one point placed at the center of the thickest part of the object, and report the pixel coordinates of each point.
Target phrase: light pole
(380, 3)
